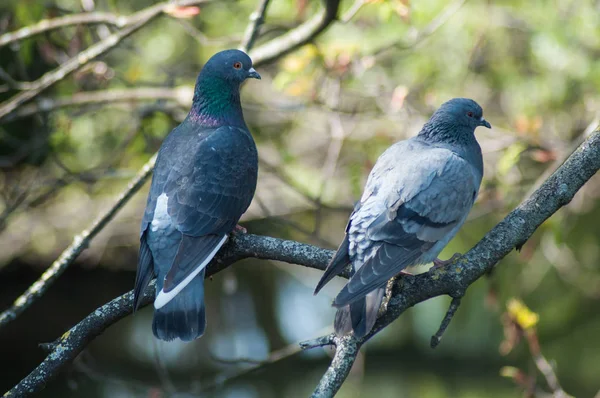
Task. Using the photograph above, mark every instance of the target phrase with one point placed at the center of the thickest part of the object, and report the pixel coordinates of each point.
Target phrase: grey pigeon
(417, 197)
(204, 180)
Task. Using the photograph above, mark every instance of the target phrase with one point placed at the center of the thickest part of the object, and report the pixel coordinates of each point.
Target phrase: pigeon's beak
(253, 74)
(485, 123)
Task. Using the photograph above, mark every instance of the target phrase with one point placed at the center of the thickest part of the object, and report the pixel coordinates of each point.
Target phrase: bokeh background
(321, 116)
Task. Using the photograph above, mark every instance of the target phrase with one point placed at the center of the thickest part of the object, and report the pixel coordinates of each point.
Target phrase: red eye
(237, 65)
(470, 114)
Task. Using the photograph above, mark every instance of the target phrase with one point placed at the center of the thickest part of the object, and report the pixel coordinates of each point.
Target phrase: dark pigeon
(204, 180)
(418, 195)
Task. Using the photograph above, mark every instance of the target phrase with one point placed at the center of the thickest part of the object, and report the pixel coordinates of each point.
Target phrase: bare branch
(543, 365)
(407, 291)
(346, 351)
(351, 13)
(80, 242)
(298, 36)
(257, 18)
(273, 357)
(454, 304)
(239, 247)
(453, 279)
(182, 95)
(318, 342)
(69, 20)
(135, 22)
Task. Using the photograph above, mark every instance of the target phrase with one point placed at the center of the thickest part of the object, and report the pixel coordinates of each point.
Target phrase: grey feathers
(417, 196)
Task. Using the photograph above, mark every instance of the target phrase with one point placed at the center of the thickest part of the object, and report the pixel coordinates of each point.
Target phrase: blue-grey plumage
(204, 180)
(417, 197)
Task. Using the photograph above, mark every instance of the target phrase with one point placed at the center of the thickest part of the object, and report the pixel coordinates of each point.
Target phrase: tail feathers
(183, 317)
(359, 316)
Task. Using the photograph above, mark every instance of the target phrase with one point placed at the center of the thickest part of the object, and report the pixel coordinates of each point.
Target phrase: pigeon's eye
(237, 65)
(470, 114)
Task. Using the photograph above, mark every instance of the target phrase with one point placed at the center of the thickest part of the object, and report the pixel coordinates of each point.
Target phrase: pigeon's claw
(437, 263)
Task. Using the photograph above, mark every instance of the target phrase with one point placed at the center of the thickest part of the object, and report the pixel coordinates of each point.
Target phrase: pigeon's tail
(359, 316)
(184, 316)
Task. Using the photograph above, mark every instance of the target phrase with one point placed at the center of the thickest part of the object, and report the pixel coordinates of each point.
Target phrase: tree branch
(134, 22)
(437, 337)
(182, 95)
(407, 291)
(453, 279)
(257, 18)
(76, 339)
(68, 20)
(298, 36)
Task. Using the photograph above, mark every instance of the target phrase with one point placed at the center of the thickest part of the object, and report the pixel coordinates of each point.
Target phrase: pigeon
(417, 196)
(204, 180)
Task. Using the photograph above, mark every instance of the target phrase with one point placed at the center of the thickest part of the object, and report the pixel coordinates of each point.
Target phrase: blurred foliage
(321, 116)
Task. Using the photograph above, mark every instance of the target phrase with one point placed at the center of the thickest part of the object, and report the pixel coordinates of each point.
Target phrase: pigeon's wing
(208, 187)
(145, 271)
(210, 191)
(145, 268)
(340, 260)
(423, 195)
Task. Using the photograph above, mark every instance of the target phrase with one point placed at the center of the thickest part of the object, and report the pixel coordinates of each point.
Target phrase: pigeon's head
(231, 66)
(461, 112)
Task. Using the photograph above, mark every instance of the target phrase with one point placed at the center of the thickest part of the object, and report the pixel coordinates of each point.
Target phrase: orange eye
(237, 65)
(470, 114)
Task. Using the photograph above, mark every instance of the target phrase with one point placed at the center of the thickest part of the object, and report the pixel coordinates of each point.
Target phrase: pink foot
(437, 263)
(239, 230)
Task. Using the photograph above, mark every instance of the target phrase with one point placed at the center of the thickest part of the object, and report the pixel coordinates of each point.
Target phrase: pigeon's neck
(460, 140)
(216, 104)
(447, 134)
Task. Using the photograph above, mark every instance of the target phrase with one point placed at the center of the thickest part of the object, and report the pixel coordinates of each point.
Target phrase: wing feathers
(193, 256)
(145, 272)
(338, 263)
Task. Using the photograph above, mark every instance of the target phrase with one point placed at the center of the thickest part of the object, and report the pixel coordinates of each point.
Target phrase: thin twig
(298, 36)
(436, 338)
(257, 18)
(80, 242)
(45, 25)
(352, 11)
(12, 83)
(322, 341)
(273, 357)
(182, 95)
(543, 365)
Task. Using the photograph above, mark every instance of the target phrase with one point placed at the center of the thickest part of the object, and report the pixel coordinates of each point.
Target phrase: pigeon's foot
(437, 263)
(239, 230)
